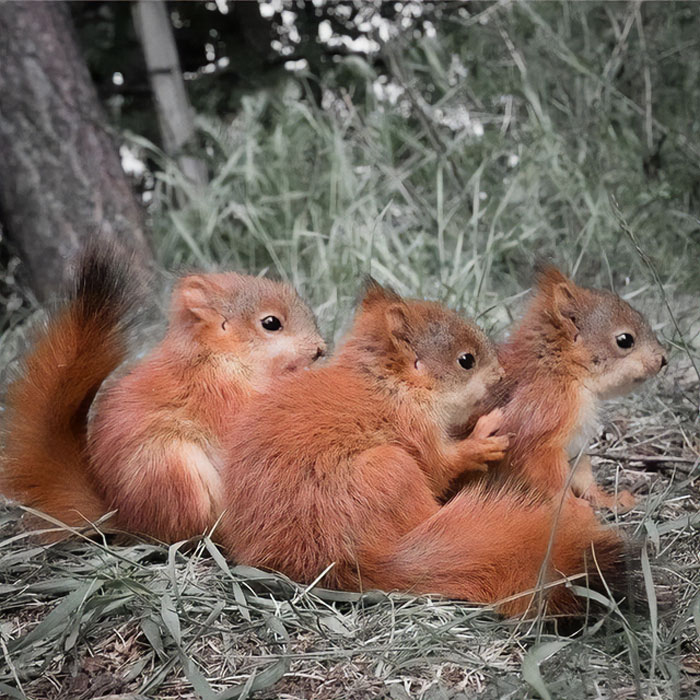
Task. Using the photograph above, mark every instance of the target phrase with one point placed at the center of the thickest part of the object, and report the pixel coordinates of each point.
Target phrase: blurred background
(440, 145)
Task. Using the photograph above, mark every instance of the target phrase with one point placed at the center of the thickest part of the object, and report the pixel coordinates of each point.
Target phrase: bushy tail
(45, 461)
(506, 548)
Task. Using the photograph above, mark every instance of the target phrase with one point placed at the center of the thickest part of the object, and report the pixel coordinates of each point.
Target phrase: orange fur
(494, 548)
(560, 362)
(343, 467)
(44, 464)
(154, 440)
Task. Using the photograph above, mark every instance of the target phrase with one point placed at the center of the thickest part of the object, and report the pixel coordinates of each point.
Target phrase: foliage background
(467, 141)
(449, 156)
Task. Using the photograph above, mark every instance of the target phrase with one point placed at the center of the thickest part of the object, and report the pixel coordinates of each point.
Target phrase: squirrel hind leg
(584, 485)
(171, 492)
(620, 502)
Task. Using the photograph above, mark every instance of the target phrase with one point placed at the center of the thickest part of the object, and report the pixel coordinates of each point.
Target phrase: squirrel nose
(320, 352)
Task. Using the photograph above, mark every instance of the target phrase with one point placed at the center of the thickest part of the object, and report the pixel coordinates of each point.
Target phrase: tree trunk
(172, 104)
(61, 180)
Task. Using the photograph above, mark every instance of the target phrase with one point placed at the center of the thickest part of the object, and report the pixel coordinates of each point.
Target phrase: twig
(648, 115)
(650, 459)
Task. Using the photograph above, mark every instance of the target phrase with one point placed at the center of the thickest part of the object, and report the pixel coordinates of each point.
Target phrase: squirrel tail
(45, 465)
(511, 550)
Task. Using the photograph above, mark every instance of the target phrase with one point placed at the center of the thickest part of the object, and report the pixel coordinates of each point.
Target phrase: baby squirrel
(339, 473)
(152, 447)
(573, 348)
(154, 441)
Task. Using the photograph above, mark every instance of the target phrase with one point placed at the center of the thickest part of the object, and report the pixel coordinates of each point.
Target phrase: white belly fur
(586, 425)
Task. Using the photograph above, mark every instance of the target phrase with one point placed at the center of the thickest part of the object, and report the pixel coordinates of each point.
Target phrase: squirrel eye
(625, 341)
(466, 360)
(271, 323)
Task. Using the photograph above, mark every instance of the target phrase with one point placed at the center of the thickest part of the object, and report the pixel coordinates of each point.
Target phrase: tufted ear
(547, 276)
(564, 301)
(374, 293)
(561, 296)
(195, 298)
(565, 309)
(397, 321)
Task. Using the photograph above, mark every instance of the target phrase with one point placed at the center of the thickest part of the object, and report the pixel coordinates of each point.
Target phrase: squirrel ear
(547, 276)
(565, 306)
(397, 321)
(193, 297)
(374, 293)
(560, 299)
(559, 289)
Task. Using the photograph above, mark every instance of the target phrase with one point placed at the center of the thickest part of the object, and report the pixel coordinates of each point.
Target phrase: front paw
(489, 449)
(487, 425)
(577, 505)
(494, 448)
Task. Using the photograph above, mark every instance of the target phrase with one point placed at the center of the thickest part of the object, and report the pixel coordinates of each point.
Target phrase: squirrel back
(44, 463)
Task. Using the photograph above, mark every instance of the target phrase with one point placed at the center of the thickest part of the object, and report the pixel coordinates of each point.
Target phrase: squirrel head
(422, 347)
(613, 341)
(261, 323)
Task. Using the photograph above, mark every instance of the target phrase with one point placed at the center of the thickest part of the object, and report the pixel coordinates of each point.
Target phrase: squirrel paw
(620, 502)
(623, 501)
(488, 424)
(488, 449)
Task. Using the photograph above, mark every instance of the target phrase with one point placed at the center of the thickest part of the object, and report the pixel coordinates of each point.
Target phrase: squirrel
(151, 448)
(153, 442)
(337, 477)
(573, 348)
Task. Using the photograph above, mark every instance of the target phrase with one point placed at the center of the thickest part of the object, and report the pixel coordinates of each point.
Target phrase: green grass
(172, 622)
(589, 155)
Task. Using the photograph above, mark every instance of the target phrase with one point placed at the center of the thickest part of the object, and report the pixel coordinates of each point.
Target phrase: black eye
(271, 323)
(466, 360)
(625, 341)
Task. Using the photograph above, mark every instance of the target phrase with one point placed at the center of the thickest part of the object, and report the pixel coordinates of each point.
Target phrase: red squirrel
(152, 447)
(573, 348)
(338, 475)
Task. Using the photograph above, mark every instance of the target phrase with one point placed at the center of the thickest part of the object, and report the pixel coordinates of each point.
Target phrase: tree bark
(61, 180)
(175, 116)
